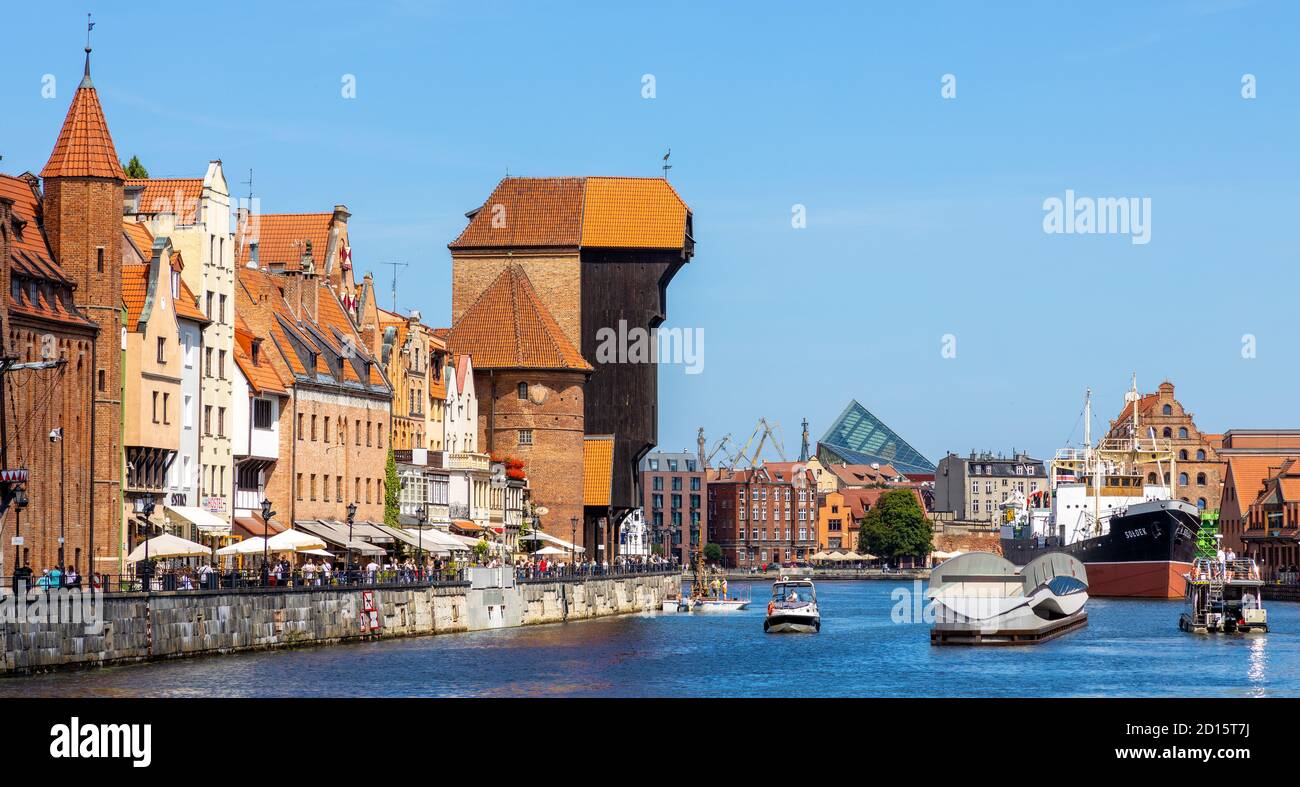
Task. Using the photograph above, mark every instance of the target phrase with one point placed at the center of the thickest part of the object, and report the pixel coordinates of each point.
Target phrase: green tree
(896, 527)
(392, 491)
(712, 552)
(134, 169)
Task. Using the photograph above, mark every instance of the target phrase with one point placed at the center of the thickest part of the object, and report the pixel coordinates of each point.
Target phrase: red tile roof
(135, 290)
(187, 305)
(594, 212)
(84, 147)
(261, 376)
(509, 328)
(282, 238)
(177, 196)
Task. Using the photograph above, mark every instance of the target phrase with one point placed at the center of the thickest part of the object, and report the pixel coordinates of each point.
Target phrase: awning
(466, 525)
(204, 520)
(423, 540)
(542, 535)
(250, 526)
(332, 535)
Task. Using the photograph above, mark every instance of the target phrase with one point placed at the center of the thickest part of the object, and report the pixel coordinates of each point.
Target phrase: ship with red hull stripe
(1144, 553)
(1134, 536)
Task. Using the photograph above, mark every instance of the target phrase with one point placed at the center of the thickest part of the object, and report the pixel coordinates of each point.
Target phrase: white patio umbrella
(320, 552)
(551, 551)
(294, 541)
(168, 545)
(248, 546)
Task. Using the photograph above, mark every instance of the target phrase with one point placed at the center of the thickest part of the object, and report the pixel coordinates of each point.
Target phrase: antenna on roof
(667, 166)
(395, 265)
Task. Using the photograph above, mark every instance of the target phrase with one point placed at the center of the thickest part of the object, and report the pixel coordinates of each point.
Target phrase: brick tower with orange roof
(82, 207)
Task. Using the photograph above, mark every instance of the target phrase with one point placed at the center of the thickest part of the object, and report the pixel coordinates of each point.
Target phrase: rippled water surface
(1130, 648)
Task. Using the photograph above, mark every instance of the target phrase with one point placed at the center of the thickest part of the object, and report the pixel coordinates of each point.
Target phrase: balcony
(467, 461)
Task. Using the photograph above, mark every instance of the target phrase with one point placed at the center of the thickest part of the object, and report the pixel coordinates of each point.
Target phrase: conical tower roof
(84, 148)
(508, 327)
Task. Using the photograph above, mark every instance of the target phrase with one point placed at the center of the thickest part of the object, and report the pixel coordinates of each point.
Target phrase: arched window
(522, 391)
(1182, 433)
(1200, 455)
(1200, 479)
(1168, 432)
(1166, 478)
(1167, 410)
(1200, 503)
(1182, 479)
(1151, 478)
(1182, 455)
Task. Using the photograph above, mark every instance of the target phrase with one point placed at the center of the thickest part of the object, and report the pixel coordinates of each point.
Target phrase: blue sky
(924, 215)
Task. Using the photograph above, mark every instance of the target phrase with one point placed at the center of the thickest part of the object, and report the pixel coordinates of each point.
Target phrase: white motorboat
(718, 604)
(793, 608)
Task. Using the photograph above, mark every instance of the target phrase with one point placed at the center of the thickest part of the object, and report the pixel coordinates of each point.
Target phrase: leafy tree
(134, 169)
(392, 491)
(896, 527)
(712, 552)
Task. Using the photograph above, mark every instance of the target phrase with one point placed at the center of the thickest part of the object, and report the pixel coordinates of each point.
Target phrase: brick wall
(554, 413)
(331, 457)
(83, 222)
(557, 279)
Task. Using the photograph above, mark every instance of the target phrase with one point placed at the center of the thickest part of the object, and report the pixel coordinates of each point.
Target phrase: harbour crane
(765, 432)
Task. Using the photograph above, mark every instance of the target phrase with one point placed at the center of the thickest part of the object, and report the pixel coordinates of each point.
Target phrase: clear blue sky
(924, 214)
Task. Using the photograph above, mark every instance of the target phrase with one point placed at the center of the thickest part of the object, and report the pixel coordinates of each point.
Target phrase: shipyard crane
(764, 432)
(721, 447)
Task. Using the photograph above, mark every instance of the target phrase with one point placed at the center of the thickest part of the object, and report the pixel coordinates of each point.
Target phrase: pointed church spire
(84, 148)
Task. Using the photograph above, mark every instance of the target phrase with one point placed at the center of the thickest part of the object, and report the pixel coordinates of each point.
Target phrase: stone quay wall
(139, 627)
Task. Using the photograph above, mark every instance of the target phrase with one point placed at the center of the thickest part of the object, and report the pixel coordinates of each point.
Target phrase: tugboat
(1224, 598)
(793, 608)
(1135, 539)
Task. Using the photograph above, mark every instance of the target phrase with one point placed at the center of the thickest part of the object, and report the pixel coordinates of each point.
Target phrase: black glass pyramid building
(859, 438)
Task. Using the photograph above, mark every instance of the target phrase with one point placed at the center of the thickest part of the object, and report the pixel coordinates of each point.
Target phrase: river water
(1129, 648)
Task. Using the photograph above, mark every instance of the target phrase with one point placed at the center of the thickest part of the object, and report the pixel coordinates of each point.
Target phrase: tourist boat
(1224, 597)
(793, 608)
(1134, 537)
(983, 599)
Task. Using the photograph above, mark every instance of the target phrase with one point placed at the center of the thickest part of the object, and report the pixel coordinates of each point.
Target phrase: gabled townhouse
(195, 213)
(334, 424)
(172, 305)
(260, 395)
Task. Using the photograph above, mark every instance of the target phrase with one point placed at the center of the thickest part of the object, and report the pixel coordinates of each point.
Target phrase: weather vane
(667, 166)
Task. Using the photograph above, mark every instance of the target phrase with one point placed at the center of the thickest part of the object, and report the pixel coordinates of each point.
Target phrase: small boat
(793, 608)
(672, 604)
(718, 604)
(1224, 598)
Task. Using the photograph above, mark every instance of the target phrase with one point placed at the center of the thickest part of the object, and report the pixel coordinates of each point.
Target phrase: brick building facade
(759, 518)
(1199, 472)
(675, 500)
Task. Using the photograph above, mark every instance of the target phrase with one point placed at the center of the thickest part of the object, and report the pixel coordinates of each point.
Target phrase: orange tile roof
(140, 237)
(84, 148)
(135, 289)
(509, 328)
(1248, 473)
(187, 306)
(261, 375)
(638, 213)
(282, 238)
(597, 469)
(593, 212)
(178, 196)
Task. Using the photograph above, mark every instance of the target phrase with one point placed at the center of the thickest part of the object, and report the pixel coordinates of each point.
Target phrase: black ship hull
(1144, 555)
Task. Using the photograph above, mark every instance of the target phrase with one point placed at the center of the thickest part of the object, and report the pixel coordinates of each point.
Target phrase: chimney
(340, 279)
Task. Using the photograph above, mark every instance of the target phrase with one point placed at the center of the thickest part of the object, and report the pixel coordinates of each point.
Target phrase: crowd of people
(541, 567)
(50, 578)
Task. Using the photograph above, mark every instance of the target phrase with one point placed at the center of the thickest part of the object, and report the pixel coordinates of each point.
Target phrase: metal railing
(182, 580)
(594, 570)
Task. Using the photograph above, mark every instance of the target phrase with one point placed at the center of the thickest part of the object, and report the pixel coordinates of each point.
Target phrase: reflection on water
(1130, 648)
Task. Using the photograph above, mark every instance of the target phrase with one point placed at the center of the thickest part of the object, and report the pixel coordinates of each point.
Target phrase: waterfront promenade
(124, 627)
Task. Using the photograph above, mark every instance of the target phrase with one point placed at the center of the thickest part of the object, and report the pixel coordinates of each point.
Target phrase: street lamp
(352, 514)
(267, 513)
(56, 436)
(147, 509)
(421, 516)
(573, 541)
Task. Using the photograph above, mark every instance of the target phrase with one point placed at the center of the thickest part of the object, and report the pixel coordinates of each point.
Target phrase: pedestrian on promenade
(71, 579)
(372, 570)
